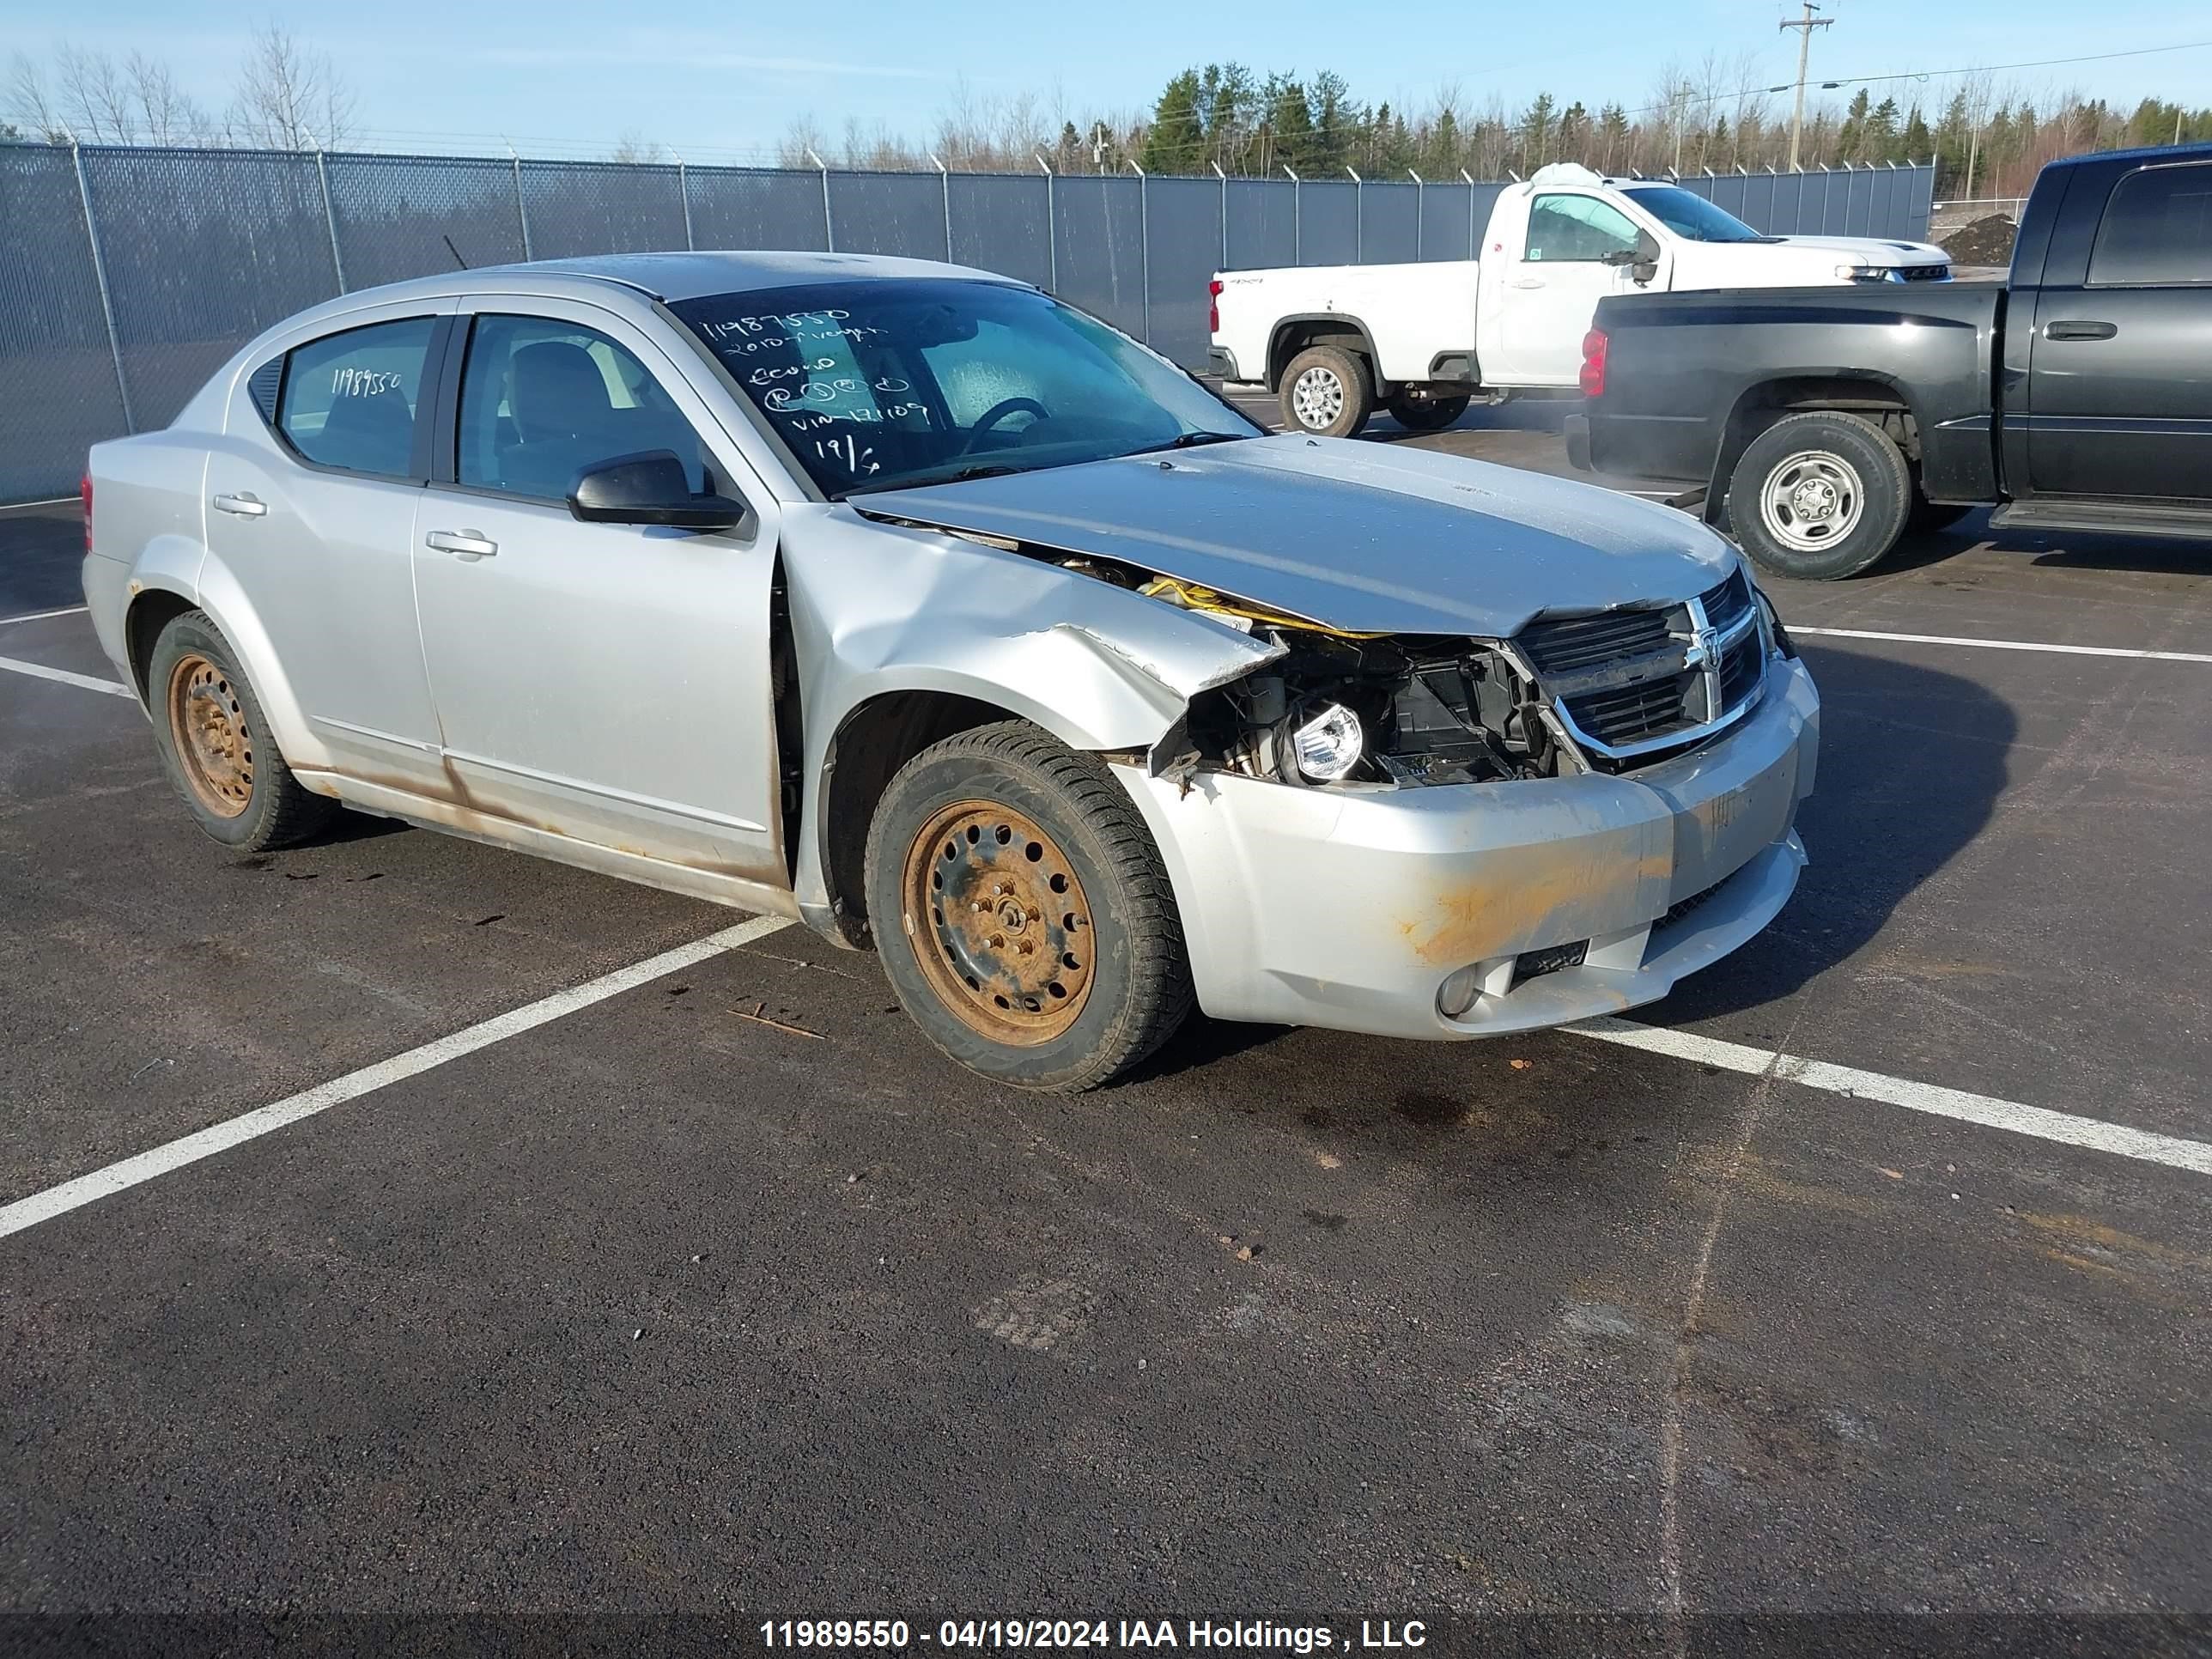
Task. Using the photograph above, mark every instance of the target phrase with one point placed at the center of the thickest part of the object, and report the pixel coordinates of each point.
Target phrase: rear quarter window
(2157, 229)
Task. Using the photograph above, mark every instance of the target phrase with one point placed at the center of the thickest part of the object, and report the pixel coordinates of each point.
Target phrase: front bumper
(1348, 909)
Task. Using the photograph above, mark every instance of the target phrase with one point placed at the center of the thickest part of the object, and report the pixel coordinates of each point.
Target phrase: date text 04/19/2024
(1236, 1635)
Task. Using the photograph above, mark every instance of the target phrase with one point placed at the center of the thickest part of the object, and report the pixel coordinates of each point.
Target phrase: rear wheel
(1819, 496)
(1023, 913)
(215, 744)
(1328, 393)
(1427, 413)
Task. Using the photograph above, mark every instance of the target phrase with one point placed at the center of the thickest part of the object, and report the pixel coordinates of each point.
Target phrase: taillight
(1213, 306)
(1594, 345)
(84, 489)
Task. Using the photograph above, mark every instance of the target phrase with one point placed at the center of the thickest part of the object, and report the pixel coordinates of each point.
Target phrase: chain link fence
(128, 276)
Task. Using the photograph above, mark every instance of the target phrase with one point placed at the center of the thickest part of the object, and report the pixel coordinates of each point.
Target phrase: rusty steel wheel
(214, 745)
(1022, 912)
(1003, 930)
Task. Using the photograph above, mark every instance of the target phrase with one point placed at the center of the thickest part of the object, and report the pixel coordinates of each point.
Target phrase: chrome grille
(1633, 682)
(1573, 642)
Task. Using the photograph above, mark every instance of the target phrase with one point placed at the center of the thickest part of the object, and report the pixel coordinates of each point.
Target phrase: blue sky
(717, 76)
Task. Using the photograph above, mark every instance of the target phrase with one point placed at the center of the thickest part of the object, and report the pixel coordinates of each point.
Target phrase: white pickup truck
(1335, 341)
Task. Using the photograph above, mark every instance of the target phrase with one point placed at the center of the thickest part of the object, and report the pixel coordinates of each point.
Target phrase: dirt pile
(1984, 242)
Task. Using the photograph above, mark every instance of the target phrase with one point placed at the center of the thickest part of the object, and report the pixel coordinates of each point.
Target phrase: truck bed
(1680, 367)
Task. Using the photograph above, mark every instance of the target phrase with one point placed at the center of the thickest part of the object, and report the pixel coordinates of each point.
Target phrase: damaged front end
(1605, 691)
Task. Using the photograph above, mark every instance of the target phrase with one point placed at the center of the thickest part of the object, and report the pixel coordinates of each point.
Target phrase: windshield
(1689, 215)
(879, 385)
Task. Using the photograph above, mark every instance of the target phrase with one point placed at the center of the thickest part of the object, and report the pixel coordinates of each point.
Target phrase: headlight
(1329, 744)
(1864, 273)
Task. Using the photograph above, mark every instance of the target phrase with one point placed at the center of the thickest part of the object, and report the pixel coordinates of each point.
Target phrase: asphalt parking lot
(1868, 1275)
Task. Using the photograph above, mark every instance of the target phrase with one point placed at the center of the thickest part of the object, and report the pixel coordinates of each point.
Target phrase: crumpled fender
(877, 608)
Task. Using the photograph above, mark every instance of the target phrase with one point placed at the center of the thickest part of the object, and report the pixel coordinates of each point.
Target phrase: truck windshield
(879, 385)
(1690, 216)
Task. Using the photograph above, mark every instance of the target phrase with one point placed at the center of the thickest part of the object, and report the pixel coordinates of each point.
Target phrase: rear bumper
(1350, 908)
(106, 597)
(1221, 363)
(1578, 444)
(1680, 448)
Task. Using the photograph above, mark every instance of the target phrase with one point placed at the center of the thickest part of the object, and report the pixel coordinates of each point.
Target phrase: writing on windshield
(875, 384)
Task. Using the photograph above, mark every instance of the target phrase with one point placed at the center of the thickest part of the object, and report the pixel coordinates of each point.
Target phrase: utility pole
(1804, 26)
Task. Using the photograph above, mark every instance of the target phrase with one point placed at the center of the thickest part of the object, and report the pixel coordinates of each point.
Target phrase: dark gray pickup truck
(1824, 422)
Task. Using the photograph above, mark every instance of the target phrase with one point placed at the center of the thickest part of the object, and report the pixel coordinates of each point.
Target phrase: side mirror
(650, 487)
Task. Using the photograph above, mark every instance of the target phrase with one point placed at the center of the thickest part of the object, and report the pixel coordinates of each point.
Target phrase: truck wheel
(1328, 393)
(1023, 913)
(217, 747)
(1819, 496)
(1427, 413)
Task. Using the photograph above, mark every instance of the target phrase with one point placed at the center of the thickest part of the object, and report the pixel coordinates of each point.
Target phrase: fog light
(1458, 992)
(1329, 744)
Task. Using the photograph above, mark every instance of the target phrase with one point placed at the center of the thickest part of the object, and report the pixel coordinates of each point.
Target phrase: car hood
(1866, 249)
(1362, 538)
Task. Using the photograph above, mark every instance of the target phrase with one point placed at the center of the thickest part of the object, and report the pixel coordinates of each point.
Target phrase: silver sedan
(907, 600)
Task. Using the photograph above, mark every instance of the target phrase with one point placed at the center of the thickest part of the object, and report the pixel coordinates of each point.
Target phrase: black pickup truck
(1824, 421)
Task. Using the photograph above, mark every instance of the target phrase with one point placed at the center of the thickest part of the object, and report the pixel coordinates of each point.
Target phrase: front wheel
(1427, 413)
(1328, 393)
(1023, 913)
(1819, 496)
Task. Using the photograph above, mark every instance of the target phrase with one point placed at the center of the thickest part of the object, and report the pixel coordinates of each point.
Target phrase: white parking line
(1987, 1110)
(232, 1132)
(2001, 645)
(62, 675)
(40, 615)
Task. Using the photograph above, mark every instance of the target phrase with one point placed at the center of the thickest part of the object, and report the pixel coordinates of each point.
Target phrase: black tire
(1868, 491)
(1352, 400)
(1427, 413)
(1927, 517)
(1136, 988)
(255, 802)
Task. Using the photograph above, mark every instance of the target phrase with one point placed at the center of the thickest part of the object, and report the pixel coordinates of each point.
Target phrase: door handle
(244, 504)
(1529, 281)
(466, 543)
(2079, 331)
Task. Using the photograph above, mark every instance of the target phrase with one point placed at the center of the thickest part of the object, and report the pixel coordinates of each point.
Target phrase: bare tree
(30, 101)
(290, 97)
(634, 148)
(802, 140)
(97, 99)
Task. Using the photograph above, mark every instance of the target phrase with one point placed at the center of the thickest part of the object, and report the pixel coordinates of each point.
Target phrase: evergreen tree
(1612, 139)
(1878, 140)
(1538, 133)
(1849, 136)
(1175, 141)
(1336, 122)
(1575, 134)
(1917, 144)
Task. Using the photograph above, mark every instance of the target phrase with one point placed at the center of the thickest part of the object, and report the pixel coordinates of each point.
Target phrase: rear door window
(2157, 229)
(350, 400)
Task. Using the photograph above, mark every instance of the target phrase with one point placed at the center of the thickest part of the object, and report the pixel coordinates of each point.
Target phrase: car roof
(671, 275)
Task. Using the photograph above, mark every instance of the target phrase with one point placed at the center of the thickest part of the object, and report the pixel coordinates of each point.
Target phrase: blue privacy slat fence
(128, 274)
